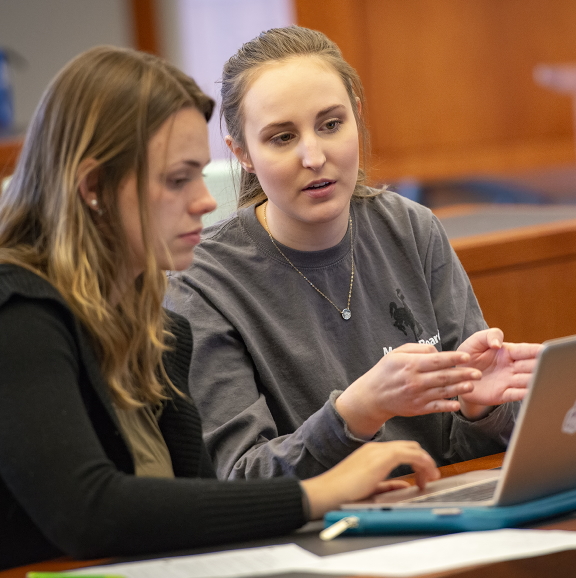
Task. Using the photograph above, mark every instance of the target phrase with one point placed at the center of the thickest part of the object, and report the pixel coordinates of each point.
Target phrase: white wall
(48, 33)
(200, 35)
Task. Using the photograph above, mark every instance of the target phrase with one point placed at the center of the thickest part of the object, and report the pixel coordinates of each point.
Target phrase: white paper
(406, 559)
(245, 562)
(448, 552)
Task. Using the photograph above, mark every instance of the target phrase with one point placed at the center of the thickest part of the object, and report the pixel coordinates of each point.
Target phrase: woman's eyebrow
(276, 126)
(196, 164)
(191, 163)
(330, 109)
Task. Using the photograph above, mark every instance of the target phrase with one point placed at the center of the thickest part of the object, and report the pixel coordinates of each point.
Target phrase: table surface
(462, 221)
(558, 564)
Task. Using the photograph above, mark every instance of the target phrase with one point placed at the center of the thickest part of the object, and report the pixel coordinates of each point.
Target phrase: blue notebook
(453, 519)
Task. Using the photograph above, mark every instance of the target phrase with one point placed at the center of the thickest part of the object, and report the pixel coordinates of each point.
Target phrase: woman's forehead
(284, 68)
(292, 85)
(183, 137)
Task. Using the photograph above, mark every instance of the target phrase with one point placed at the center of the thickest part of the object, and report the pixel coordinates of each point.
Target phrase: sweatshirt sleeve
(459, 316)
(240, 431)
(457, 310)
(52, 463)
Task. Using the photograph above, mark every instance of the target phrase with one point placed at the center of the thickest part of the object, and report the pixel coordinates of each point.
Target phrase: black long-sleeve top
(66, 473)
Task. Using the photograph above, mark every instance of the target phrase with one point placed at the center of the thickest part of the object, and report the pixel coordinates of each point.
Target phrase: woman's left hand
(506, 370)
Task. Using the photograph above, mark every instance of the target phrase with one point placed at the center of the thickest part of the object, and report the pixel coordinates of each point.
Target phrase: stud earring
(94, 205)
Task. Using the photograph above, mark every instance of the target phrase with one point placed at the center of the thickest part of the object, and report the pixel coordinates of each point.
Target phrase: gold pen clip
(338, 527)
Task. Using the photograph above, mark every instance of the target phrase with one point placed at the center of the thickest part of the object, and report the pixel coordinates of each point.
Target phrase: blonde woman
(101, 450)
(339, 313)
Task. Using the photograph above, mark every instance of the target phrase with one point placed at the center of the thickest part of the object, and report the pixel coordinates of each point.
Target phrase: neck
(300, 235)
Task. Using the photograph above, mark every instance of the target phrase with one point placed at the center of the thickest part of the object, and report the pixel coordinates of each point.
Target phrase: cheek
(163, 218)
(348, 161)
(351, 149)
(269, 164)
(273, 169)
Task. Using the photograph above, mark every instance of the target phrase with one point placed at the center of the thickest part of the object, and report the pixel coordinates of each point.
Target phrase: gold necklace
(346, 313)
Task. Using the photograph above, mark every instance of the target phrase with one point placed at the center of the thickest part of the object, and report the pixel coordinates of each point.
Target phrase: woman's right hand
(364, 472)
(414, 379)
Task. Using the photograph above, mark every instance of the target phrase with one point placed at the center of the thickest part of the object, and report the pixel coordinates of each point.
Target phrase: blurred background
(450, 83)
(470, 104)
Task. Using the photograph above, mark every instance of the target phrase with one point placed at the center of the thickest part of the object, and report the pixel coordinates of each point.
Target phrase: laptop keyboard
(473, 493)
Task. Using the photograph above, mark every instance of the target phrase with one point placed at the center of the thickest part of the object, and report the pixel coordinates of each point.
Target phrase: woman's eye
(178, 182)
(332, 125)
(281, 139)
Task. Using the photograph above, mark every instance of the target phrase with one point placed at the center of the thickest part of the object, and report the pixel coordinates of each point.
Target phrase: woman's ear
(88, 184)
(359, 106)
(241, 154)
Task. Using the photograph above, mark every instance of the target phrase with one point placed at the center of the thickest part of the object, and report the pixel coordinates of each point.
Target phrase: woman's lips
(193, 237)
(320, 188)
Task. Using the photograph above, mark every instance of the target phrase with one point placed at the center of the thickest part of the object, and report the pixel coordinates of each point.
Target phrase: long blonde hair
(277, 45)
(104, 105)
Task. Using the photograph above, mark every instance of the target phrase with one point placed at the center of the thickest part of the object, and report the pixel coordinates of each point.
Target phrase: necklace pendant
(346, 314)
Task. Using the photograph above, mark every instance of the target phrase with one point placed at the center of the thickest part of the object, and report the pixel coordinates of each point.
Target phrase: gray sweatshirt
(270, 354)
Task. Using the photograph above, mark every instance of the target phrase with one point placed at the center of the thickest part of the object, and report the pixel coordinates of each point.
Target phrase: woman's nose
(202, 201)
(313, 156)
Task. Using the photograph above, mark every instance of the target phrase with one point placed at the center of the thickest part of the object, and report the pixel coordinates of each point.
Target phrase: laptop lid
(540, 460)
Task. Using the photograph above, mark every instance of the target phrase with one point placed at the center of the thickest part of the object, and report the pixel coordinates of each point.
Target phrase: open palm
(506, 367)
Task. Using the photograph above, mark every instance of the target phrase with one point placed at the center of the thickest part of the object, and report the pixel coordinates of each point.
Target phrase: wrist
(473, 411)
(359, 422)
(319, 495)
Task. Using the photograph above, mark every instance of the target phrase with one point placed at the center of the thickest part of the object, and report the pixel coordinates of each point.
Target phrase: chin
(329, 211)
(182, 263)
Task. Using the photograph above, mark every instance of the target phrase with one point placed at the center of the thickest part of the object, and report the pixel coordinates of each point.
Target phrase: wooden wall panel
(524, 278)
(449, 82)
(530, 303)
(145, 25)
(344, 22)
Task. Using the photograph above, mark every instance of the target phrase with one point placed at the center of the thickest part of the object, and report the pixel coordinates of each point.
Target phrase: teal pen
(69, 575)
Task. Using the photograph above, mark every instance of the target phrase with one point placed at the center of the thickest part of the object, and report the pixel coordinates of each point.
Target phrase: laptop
(541, 456)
